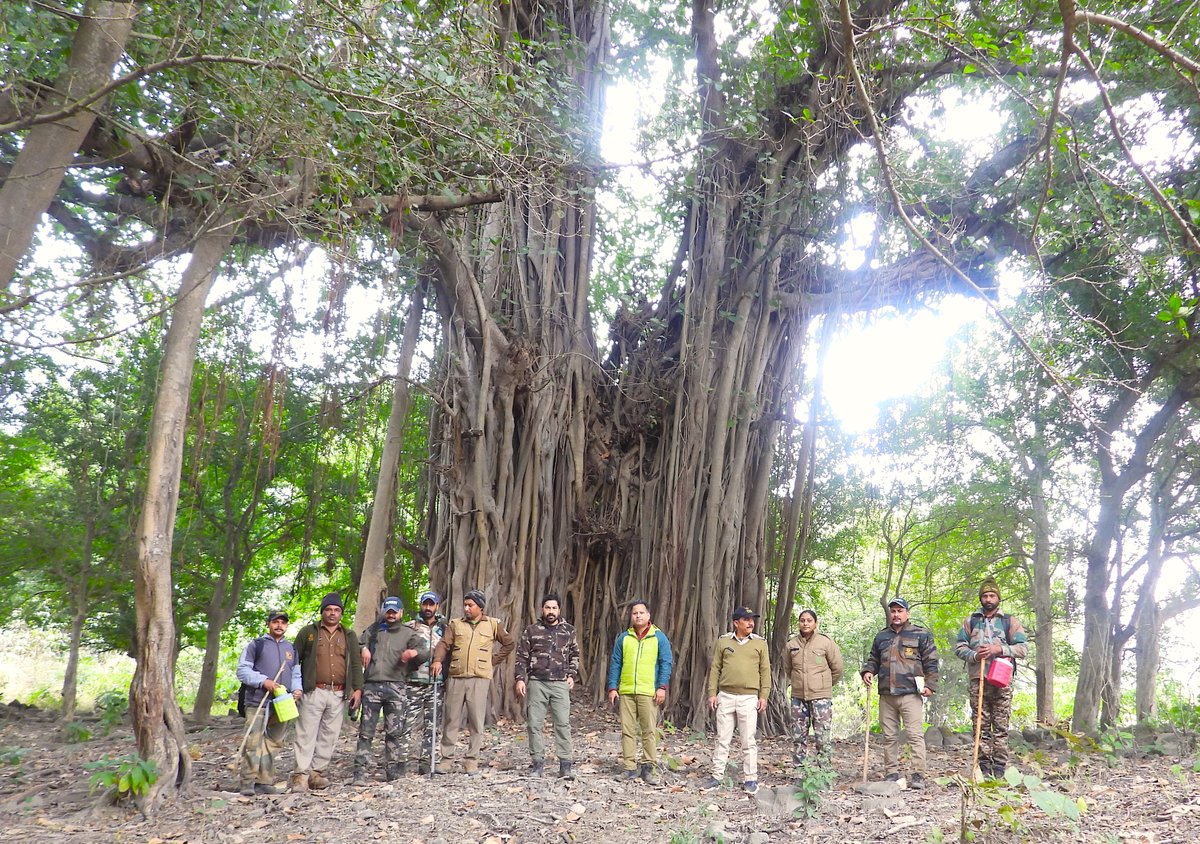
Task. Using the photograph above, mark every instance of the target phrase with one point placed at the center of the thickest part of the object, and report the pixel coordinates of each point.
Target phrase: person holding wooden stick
(990, 642)
(905, 659)
(269, 656)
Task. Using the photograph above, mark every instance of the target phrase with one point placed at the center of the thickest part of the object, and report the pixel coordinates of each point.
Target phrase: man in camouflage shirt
(426, 693)
(989, 634)
(905, 659)
(390, 650)
(547, 667)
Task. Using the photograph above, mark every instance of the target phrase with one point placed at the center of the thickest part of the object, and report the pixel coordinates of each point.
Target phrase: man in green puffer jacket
(638, 673)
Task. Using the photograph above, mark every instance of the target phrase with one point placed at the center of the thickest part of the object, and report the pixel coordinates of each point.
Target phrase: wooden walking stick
(976, 773)
(257, 710)
(866, 732)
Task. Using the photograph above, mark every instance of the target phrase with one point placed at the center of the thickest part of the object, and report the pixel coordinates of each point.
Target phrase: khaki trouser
(317, 728)
(553, 695)
(909, 711)
(471, 694)
(741, 710)
(639, 720)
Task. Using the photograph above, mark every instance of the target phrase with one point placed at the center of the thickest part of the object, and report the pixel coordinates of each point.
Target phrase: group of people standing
(429, 666)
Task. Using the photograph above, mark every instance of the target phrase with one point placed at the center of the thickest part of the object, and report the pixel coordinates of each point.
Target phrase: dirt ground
(44, 795)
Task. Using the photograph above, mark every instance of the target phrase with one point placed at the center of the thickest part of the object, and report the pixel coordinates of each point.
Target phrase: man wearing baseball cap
(267, 664)
(905, 659)
(739, 683)
(390, 651)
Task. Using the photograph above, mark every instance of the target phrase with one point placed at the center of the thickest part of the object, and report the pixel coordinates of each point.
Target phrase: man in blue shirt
(267, 663)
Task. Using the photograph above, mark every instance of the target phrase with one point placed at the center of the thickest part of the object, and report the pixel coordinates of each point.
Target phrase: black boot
(564, 769)
(537, 768)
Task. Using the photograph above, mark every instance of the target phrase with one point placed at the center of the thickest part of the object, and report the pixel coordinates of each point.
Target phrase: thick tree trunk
(157, 720)
(647, 479)
(509, 444)
(50, 147)
(1096, 657)
(373, 580)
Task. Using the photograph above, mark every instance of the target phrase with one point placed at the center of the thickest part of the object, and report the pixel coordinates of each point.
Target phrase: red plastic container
(999, 672)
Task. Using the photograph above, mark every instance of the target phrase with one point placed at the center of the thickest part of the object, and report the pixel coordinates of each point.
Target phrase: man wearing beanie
(331, 667)
(989, 635)
(475, 645)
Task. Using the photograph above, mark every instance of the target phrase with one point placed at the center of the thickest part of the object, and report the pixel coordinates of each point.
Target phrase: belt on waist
(337, 687)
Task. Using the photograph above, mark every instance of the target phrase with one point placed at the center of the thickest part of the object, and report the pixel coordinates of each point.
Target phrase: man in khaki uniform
(476, 644)
(739, 683)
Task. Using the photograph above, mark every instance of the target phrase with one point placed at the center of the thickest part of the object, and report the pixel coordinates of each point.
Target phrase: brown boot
(317, 780)
(299, 781)
(444, 766)
(471, 766)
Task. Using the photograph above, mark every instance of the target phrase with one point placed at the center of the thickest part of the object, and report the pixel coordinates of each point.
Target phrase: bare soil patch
(44, 795)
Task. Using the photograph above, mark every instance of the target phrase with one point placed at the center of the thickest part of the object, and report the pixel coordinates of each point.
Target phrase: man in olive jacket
(391, 651)
(815, 663)
(905, 659)
(739, 683)
(476, 644)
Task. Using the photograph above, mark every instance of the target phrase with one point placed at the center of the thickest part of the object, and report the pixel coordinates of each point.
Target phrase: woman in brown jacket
(816, 664)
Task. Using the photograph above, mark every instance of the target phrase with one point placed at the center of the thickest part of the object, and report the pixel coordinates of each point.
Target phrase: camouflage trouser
(819, 714)
(262, 743)
(420, 710)
(389, 698)
(993, 736)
